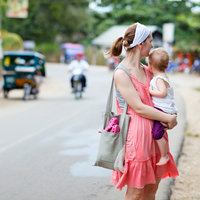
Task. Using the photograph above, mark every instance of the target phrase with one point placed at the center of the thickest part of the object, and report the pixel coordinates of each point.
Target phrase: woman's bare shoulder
(120, 74)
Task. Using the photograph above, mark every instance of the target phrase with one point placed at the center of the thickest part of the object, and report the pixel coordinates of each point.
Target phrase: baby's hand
(150, 88)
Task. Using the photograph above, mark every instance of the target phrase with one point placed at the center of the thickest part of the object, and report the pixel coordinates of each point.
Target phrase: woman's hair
(159, 59)
(129, 35)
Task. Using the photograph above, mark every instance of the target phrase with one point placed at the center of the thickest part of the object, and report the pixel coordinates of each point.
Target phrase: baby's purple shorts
(158, 128)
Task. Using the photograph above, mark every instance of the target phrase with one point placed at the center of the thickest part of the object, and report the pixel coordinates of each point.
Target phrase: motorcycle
(77, 83)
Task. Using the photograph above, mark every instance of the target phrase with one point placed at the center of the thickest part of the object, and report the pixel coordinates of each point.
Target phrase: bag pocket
(109, 147)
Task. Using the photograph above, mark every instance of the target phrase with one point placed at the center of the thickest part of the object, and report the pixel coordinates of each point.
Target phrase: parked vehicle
(173, 68)
(112, 62)
(69, 51)
(23, 70)
(196, 66)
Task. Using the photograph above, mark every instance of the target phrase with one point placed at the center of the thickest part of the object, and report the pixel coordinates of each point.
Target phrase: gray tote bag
(112, 145)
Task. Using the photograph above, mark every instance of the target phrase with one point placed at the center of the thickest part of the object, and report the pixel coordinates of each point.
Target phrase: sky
(95, 5)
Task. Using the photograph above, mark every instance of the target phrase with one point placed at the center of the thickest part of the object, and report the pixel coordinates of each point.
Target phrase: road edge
(176, 139)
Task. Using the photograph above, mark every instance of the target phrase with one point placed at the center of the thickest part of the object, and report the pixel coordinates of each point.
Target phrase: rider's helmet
(80, 56)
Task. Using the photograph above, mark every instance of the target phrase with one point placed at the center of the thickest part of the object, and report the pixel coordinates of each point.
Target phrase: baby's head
(159, 59)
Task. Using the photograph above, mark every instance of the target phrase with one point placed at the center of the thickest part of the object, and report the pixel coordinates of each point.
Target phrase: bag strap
(110, 101)
(110, 96)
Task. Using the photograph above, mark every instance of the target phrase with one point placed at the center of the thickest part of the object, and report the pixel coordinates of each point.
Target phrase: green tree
(11, 41)
(50, 18)
(156, 12)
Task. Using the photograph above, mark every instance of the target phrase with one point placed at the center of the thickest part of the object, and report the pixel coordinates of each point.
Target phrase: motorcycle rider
(80, 64)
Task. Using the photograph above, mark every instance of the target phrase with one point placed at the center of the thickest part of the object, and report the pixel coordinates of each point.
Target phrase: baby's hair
(159, 59)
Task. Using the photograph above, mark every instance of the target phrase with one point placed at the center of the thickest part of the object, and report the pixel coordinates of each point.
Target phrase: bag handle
(110, 97)
(110, 100)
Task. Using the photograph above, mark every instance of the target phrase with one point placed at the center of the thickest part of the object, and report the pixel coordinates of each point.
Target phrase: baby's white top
(167, 104)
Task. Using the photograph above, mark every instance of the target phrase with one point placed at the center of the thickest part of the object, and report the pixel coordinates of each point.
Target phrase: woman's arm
(130, 95)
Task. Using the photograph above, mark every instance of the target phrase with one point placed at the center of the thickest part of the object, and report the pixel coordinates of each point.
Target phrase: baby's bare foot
(163, 160)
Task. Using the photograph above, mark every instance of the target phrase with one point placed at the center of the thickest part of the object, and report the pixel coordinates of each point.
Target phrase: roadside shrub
(98, 53)
(51, 51)
(11, 41)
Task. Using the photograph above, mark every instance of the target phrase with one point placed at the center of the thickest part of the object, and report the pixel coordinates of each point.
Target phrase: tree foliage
(71, 20)
(156, 12)
(11, 41)
(50, 18)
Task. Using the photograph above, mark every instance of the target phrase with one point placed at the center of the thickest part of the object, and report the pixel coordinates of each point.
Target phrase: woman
(141, 174)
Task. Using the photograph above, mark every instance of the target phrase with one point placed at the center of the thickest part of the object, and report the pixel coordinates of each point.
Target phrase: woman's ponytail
(116, 48)
(125, 41)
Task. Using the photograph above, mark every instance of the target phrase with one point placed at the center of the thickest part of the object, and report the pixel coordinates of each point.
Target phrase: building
(105, 40)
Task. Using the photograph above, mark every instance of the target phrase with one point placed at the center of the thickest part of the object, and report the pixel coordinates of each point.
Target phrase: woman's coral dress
(142, 152)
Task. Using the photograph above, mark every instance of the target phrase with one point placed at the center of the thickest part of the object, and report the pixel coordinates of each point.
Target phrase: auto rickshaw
(23, 70)
(69, 51)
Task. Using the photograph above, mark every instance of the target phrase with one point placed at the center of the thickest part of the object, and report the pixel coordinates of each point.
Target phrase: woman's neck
(132, 60)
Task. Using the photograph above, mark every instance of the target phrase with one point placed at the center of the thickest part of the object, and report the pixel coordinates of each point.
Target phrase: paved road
(48, 145)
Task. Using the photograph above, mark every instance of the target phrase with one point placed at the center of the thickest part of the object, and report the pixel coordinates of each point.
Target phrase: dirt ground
(187, 185)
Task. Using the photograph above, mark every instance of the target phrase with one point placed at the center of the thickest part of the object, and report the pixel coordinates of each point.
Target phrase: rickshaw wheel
(27, 91)
(36, 96)
(5, 93)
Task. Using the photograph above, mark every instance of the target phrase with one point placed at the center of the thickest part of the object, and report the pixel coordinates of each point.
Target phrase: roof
(71, 45)
(107, 38)
(24, 53)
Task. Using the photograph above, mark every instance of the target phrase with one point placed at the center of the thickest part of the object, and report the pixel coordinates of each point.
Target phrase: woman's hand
(172, 122)
(165, 125)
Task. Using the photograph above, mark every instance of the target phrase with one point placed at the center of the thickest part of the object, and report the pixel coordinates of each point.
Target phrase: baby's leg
(162, 144)
(158, 132)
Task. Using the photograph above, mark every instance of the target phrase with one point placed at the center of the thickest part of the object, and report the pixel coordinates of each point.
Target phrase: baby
(162, 96)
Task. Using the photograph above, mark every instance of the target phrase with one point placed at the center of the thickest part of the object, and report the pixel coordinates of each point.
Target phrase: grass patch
(186, 126)
(192, 135)
(181, 182)
(197, 89)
